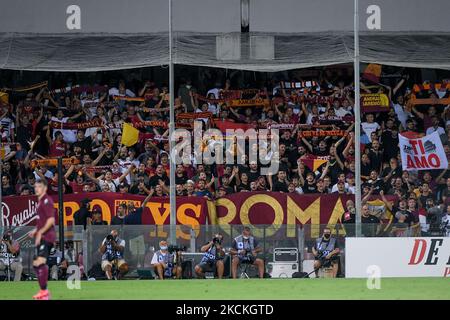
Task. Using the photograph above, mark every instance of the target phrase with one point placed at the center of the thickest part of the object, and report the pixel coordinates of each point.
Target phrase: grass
(391, 288)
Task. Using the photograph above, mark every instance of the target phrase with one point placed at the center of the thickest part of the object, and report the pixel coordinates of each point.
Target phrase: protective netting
(82, 52)
(247, 51)
(418, 50)
(283, 34)
(262, 51)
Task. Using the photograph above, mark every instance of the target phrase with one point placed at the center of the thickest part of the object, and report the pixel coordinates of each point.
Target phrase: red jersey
(52, 186)
(57, 149)
(76, 187)
(46, 210)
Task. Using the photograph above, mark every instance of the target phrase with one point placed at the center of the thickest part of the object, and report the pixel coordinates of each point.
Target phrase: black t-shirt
(410, 217)
(253, 176)
(396, 173)
(370, 225)
(154, 181)
(280, 186)
(134, 218)
(309, 188)
(23, 135)
(375, 160)
(370, 219)
(289, 143)
(334, 170)
(228, 189)
(85, 144)
(390, 145)
(320, 153)
(423, 199)
(180, 180)
(80, 217)
(243, 186)
(377, 185)
(348, 218)
(365, 169)
(8, 191)
(115, 221)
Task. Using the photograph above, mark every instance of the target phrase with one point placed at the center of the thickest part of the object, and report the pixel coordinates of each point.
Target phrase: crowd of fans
(319, 125)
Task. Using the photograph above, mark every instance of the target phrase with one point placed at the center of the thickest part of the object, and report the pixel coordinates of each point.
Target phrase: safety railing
(288, 244)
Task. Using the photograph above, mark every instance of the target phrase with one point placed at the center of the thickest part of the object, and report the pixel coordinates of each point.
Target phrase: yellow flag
(317, 163)
(4, 98)
(130, 135)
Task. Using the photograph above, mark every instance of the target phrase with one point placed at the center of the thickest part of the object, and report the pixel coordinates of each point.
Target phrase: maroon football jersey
(45, 210)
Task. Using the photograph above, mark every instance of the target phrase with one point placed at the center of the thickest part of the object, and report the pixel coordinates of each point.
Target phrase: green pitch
(391, 288)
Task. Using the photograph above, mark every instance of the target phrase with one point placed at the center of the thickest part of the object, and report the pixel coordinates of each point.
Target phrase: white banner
(397, 257)
(426, 153)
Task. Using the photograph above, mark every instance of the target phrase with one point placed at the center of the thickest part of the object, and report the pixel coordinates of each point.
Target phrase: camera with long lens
(324, 262)
(175, 248)
(249, 257)
(109, 238)
(217, 240)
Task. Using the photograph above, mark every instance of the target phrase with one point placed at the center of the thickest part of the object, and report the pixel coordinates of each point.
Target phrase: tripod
(315, 269)
(8, 268)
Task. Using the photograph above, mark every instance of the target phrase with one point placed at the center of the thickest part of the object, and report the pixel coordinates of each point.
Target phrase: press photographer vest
(165, 258)
(111, 254)
(248, 245)
(4, 255)
(325, 247)
(210, 255)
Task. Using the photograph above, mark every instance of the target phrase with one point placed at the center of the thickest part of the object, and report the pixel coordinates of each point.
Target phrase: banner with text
(244, 208)
(375, 102)
(397, 257)
(426, 153)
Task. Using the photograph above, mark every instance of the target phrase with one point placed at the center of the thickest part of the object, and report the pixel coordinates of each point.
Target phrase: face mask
(326, 236)
(163, 247)
(188, 86)
(245, 237)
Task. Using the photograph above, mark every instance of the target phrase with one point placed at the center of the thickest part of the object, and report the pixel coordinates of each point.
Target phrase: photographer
(112, 250)
(244, 250)
(165, 263)
(434, 218)
(445, 223)
(326, 253)
(10, 255)
(212, 260)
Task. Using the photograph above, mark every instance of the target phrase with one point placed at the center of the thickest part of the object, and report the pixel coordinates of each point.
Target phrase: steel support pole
(357, 124)
(173, 211)
(61, 207)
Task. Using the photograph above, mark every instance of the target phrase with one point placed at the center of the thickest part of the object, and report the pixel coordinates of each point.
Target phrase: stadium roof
(53, 35)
